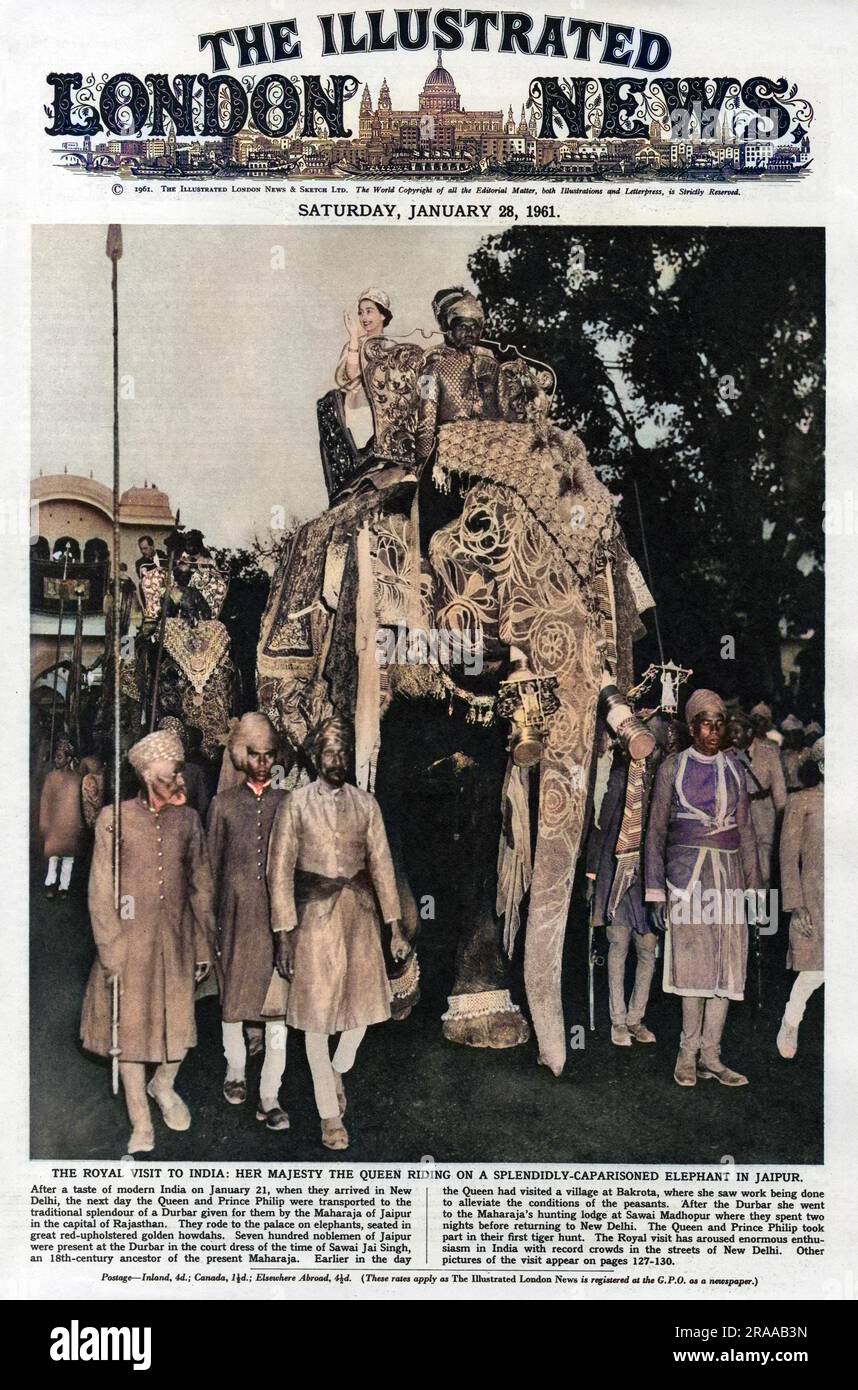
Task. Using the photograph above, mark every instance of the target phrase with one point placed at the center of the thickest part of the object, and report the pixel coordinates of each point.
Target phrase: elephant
(482, 528)
(196, 676)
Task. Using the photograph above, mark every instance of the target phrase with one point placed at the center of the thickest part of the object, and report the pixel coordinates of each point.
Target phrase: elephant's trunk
(562, 798)
(543, 954)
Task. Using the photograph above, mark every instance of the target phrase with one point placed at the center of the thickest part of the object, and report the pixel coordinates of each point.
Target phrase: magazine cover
(428, 594)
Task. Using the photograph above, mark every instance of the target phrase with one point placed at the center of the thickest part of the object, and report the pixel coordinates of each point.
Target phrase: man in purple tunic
(701, 858)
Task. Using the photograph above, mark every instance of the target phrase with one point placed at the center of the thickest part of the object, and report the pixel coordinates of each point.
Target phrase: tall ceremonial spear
(114, 251)
(75, 691)
(62, 589)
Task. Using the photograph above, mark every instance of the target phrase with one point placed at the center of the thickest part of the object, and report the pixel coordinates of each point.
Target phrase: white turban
(154, 748)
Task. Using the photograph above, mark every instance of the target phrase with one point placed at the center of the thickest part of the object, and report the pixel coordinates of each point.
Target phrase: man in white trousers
(328, 852)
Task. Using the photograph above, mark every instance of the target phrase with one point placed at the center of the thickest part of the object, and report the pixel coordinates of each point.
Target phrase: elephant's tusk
(302, 612)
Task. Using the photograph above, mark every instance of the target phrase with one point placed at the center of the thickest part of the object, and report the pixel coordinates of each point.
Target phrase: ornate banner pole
(114, 251)
(66, 557)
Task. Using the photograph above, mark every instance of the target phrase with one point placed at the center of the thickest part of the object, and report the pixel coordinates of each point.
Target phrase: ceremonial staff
(758, 958)
(591, 995)
(66, 557)
(76, 673)
(114, 251)
(593, 959)
(115, 1049)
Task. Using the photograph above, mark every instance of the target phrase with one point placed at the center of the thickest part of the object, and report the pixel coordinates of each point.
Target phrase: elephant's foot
(487, 1019)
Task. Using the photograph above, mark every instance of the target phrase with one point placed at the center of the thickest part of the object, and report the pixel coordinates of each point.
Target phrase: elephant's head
(527, 562)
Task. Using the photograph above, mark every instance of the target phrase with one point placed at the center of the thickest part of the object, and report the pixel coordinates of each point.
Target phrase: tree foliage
(691, 361)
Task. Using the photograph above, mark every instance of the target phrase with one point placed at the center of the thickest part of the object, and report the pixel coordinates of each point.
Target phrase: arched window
(96, 551)
(40, 549)
(59, 547)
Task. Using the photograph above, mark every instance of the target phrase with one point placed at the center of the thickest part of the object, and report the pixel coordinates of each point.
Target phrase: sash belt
(316, 888)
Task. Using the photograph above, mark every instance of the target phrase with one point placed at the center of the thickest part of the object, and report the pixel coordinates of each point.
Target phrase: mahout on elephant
(468, 523)
(181, 664)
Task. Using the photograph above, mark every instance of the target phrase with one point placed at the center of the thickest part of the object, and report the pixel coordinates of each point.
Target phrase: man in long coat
(803, 894)
(327, 854)
(239, 828)
(701, 857)
(768, 794)
(61, 820)
(614, 864)
(793, 753)
(159, 943)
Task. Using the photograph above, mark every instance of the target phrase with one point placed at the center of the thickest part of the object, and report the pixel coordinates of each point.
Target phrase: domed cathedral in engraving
(439, 92)
(439, 117)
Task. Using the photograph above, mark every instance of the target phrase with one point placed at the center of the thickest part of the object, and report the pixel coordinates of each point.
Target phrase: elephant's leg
(480, 1010)
(453, 774)
(404, 976)
(393, 785)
